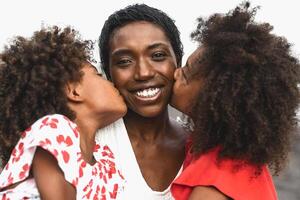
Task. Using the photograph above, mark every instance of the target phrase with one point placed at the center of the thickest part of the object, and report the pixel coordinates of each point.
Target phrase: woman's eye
(159, 56)
(99, 74)
(123, 62)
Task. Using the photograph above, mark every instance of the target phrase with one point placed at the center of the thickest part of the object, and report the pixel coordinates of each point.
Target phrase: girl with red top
(240, 89)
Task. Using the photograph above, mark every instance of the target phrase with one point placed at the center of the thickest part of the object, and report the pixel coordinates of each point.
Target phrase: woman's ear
(73, 92)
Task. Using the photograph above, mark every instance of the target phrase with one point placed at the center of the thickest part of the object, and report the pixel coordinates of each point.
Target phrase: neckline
(140, 176)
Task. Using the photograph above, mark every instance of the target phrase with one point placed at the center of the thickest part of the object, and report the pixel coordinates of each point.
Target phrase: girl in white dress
(52, 102)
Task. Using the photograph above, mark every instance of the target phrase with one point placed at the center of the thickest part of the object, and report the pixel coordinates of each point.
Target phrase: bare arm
(49, 178)
(207, 193)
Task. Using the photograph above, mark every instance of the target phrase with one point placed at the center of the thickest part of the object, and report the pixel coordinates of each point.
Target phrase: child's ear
(73, 92)
(179, 75)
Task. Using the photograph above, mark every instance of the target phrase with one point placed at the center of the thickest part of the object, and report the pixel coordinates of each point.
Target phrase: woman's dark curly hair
(33, 75)
(249, 99)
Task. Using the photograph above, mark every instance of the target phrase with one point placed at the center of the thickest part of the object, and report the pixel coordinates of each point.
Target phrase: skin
(207, 193)
(87, 100)
(141, 57)
(44, 166)
(188, 84)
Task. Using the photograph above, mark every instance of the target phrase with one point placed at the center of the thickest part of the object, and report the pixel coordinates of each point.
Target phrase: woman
(52, 103)
(241, 91)
(140, 49)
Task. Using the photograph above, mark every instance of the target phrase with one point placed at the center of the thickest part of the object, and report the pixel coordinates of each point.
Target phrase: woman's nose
(143, 70)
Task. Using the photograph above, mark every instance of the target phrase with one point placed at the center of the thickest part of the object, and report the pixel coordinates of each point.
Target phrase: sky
(23, 17)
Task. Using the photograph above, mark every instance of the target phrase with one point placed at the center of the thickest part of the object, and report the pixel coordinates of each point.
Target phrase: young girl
(240, 88)
(52, 102)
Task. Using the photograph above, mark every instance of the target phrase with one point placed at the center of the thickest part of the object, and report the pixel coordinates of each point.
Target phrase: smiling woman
(142, 64)
(140, 49)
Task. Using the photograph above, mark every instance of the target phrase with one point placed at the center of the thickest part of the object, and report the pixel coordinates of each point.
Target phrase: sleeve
(241, 183)
(55, 134)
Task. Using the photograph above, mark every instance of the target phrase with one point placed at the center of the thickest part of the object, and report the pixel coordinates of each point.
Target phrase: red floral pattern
(59, 136)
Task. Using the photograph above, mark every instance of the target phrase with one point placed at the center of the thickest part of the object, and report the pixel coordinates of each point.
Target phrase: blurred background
(19, 17)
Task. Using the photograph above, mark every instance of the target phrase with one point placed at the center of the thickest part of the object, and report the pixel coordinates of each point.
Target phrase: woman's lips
(148, 94)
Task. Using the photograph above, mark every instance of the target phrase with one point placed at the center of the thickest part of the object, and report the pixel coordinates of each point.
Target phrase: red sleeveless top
(239, 184)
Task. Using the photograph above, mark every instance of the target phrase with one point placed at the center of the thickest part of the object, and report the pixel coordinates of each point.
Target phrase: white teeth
(150, 92)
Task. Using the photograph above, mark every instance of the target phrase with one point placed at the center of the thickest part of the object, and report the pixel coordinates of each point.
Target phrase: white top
(60, 137)
(116, 137)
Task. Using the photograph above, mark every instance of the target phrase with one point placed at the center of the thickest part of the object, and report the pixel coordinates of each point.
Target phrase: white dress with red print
(59, 136)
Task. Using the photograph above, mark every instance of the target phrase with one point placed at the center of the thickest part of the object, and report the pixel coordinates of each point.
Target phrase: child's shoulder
(54, 133)
(50, 127)
(53, 119)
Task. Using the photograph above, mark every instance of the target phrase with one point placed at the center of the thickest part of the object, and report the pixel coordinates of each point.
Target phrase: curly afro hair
(33, 74)
(250, 96)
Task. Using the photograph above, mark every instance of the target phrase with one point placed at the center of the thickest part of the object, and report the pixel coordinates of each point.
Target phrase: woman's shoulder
(185, 122)
(181, 128)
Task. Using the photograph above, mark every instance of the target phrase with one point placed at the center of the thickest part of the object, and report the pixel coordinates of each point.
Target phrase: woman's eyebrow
(119, 52)
(158, 44)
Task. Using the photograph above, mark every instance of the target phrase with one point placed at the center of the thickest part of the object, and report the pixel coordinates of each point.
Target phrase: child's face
(188, 83)
(100, 97)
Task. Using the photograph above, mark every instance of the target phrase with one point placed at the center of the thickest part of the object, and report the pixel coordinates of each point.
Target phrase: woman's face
(100, 96)
(188, 83)
(142, 64)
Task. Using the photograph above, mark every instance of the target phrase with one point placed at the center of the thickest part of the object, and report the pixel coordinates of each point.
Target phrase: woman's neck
(146, 128)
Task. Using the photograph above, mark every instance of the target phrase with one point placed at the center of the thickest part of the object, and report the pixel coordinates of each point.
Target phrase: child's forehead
(90, 65)
(101, 70)
(196, 55)
(193, 63)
